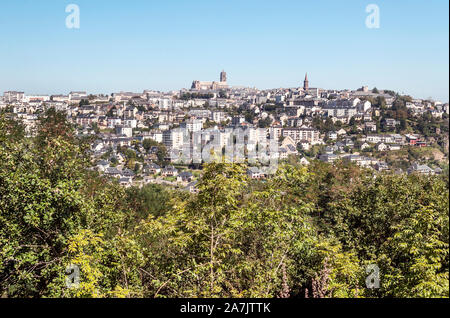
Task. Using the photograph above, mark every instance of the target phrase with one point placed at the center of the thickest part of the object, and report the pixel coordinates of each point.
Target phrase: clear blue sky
(134, 45)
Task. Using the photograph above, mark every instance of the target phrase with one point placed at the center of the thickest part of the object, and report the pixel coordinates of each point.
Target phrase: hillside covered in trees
(306, 232)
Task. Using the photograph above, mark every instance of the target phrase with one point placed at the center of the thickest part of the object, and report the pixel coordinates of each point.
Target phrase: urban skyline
(302, 84)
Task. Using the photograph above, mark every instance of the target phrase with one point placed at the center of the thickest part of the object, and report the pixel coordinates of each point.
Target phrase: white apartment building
(387, 139)
(192, 125)
(164, 103)
(60, 98)
(155, 135)
(132, 123)
(77, 95)
(347, 112)
(40, 98)
(113, 122)
(126, 131)
(218, 117)
(304, 133)
(13, 96)
(173, 138)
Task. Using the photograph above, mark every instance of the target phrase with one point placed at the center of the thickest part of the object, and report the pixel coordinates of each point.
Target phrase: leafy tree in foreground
(213, 244)
(43, 206)
(399, 223)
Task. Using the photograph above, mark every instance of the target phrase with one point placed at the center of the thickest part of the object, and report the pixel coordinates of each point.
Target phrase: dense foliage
(306, 232)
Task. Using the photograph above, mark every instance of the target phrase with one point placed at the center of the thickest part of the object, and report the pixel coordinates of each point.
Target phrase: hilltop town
(134, 135)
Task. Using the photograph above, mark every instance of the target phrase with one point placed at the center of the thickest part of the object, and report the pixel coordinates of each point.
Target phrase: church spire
(306, 83)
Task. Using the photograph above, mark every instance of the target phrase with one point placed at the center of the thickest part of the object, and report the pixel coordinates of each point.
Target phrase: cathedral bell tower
(223, 77)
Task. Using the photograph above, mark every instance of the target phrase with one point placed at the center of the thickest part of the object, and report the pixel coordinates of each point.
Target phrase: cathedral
(200, 85)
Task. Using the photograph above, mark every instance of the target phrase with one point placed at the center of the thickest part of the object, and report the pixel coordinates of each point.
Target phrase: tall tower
(223, 77)
(306, 83)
